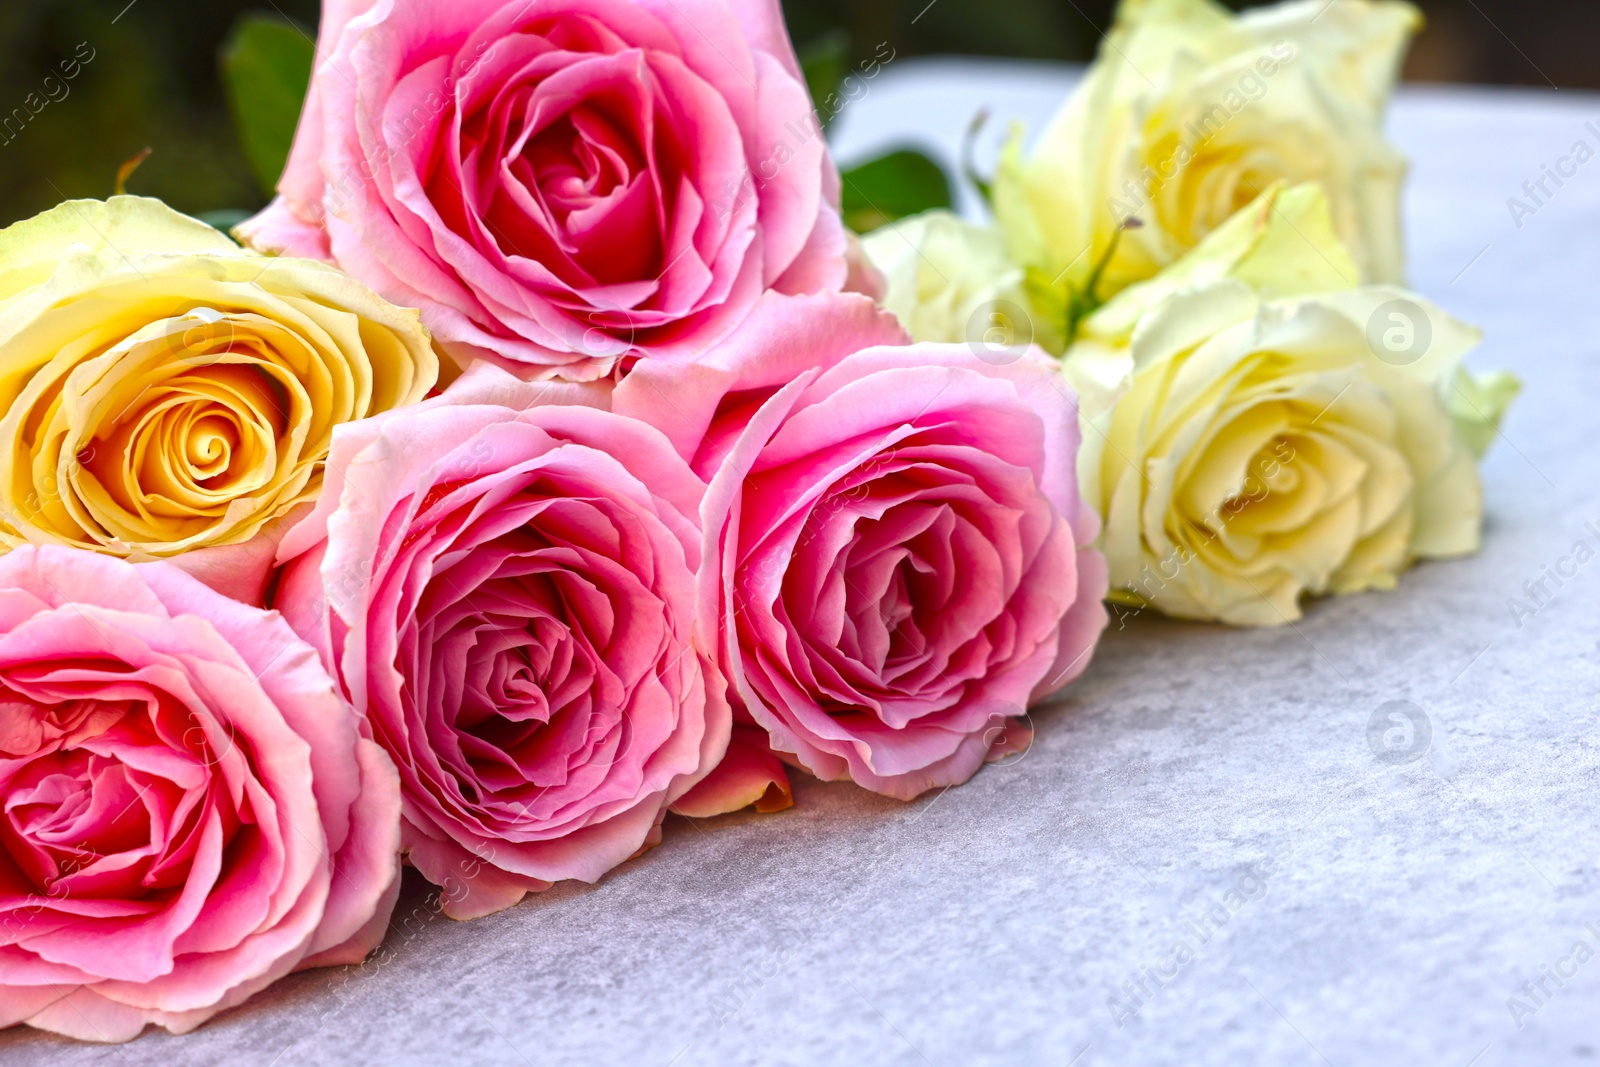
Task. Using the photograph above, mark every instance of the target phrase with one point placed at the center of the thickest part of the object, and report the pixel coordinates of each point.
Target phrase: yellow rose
(1189, 114)
(1256, 430)
(949, 281)
(164, 390)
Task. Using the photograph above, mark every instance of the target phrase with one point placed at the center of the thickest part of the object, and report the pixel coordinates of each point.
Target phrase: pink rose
(508, 595)
(894, 537)
(187, 810)
(562, 184)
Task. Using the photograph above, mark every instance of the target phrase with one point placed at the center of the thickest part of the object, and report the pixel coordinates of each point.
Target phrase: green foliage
(266, 68)
(893, 186)
(824, 61)
(146, 75)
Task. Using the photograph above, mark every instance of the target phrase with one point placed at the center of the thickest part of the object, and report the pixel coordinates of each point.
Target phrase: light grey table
(992, 924)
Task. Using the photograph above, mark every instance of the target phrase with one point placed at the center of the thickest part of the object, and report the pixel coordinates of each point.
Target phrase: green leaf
(266, 68)
(824, 61)
(891, 187)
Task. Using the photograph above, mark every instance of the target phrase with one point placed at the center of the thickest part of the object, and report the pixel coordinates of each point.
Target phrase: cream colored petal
(118, 230)
(1373, 310)
(1477, 403)
(948, 279)
(1377, 559)
(1186, 114)
(1359, 45)
(1282, 245)
(1188, 319)
(1449, 511)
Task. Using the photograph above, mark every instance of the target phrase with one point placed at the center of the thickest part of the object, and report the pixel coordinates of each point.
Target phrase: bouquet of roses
(550, 457)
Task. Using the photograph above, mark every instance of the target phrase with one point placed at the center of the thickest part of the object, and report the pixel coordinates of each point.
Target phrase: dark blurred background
(146, 74)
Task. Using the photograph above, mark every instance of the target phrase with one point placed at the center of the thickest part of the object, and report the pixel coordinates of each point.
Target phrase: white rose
(1256, 433)
(949, 281)
(1189, 114)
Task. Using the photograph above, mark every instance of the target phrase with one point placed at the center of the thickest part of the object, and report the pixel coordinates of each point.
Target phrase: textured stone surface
(990, 924)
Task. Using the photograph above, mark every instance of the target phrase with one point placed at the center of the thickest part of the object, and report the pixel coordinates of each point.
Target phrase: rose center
(1218, 182)
(897, 592)
(103, 799)
(189, 444)
(579, 161)
(537, 695)
(584, 187)
(68, 809)
(212, 439)
(1273, 472)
